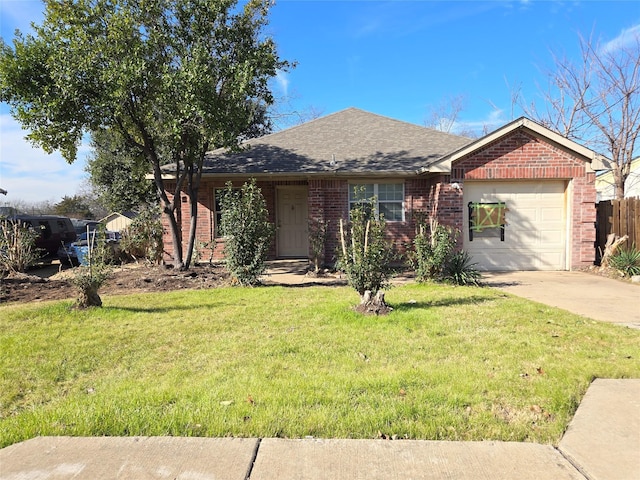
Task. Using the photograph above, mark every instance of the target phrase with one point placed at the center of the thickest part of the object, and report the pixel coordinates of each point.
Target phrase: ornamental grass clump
(17, 247)
(626, 260)
(461, 270)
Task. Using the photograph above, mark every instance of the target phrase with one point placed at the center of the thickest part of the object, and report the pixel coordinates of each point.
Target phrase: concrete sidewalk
(586, 294)
(602, 443)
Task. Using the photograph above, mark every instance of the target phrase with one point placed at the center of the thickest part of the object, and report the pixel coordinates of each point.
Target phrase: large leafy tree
(76, 207)
(173, 78)
(118, 174)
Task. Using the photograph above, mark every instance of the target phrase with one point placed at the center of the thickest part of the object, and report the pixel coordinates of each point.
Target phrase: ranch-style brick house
(522, 197)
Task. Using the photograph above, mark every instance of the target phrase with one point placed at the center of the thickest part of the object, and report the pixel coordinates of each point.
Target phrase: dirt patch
(607, 272)
(53, 283)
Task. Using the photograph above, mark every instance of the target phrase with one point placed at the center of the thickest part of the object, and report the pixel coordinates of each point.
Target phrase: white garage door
(535, 232)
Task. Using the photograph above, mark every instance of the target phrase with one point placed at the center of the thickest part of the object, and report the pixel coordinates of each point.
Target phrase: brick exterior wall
(206, 218)
(521, 156)
(517, 156)
(445, 201)
(204, 228)
(329, 200)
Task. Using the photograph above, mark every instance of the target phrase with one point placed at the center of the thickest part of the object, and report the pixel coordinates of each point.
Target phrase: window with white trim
(388, 198)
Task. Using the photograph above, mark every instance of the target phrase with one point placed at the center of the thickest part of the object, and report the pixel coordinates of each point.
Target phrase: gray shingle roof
(360, 143)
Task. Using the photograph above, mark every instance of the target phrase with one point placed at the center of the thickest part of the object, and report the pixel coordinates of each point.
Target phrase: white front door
(292, 222)
(536, 225)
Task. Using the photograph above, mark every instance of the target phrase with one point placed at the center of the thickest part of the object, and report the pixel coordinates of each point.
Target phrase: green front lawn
(448, 363)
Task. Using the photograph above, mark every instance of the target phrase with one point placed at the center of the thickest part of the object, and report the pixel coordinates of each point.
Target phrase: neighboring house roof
(114, 215)
(348, 142)
(596, 160)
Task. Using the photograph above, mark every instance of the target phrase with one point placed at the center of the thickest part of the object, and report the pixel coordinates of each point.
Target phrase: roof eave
(334, 173)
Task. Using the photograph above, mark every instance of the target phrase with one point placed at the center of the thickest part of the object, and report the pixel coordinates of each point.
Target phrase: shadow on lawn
(166, 309)
(335, 283)
(443, 302)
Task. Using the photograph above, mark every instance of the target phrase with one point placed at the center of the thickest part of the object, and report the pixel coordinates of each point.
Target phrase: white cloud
(397, 19)
(283, 82)
(627, 37)
(491, 121)
(369, 27)
(29, 174)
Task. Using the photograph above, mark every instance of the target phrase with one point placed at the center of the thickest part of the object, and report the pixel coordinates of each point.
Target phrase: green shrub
(17, 247)
(627, 260)
(247, 231)
(434, 248)
(143, 238)
(318, 231)
(365, 256)
(461, 270)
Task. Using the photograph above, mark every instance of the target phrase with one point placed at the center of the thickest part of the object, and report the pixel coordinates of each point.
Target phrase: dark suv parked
(53, 231)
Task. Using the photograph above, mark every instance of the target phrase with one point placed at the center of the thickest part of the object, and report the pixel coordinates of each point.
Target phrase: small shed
(117, 222)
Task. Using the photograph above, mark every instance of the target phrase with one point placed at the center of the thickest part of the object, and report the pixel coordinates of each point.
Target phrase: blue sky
(394, 58)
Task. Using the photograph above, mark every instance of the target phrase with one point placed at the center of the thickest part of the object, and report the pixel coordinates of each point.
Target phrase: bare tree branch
(444, 115)
(596, 101)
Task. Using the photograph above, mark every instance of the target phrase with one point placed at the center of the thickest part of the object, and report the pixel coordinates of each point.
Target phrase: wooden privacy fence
(621, 217)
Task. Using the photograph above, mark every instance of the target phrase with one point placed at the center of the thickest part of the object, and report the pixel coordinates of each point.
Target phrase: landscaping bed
(51, 282)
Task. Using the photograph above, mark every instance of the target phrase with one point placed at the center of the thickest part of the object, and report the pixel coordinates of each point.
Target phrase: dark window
(45, 229)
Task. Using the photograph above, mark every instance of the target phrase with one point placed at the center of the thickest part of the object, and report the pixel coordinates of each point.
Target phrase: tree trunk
(194, 175)
(89, 298)
(373, 305)
(169, 207)
(619, 179)
(610, 248)
(175, 237)
(193, 223)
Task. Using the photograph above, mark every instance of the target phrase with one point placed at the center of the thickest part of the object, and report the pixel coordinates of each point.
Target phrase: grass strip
(454, 363)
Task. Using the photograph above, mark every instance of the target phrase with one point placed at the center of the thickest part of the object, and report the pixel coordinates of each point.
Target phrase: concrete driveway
(583, 293)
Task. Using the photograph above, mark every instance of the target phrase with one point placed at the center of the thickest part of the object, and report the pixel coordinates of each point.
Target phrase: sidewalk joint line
(574, 464)
(253, 459)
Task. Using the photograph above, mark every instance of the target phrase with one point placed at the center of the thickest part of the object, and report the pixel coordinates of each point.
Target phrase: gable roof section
(595, 160)
(128, 214)
(349, 142)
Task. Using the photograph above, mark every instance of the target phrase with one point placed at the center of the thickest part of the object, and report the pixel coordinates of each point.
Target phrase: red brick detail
(522, 156)
(328, 200)
(206, 218)
(445, 201)
(518, 156)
